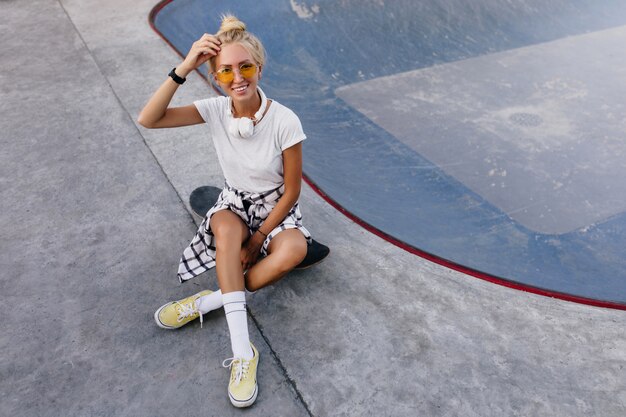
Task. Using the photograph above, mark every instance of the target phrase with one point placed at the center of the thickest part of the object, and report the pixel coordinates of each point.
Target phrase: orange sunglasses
(227, 75)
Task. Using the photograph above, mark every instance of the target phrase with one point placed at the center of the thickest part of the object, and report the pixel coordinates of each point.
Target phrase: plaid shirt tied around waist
(253, 209)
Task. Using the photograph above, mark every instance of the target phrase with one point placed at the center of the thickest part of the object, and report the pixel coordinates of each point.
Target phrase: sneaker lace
(242, 367)
(188, 309)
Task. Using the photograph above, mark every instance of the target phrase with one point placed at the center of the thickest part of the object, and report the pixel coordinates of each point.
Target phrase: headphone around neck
(243, 127)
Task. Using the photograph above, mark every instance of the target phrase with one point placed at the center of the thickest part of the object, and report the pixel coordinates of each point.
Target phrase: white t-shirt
(253, 164)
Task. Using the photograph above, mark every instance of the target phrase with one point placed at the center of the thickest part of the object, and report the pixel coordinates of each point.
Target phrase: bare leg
(230, 232)
(286, 250)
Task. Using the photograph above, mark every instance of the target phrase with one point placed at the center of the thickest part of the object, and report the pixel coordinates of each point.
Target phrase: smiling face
(242, 90)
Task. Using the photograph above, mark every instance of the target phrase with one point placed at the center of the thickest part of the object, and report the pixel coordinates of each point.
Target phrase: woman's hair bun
(234, 30)
(231, 23)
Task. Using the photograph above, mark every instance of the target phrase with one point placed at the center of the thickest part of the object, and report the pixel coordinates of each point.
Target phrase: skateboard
(203, 198)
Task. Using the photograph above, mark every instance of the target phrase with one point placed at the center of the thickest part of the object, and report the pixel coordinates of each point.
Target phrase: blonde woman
(253, 234)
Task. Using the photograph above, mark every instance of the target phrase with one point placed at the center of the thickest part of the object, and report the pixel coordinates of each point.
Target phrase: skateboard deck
(203, 198)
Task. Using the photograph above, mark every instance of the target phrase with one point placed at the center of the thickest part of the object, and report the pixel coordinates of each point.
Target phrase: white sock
(213, 301)
(237, 318)
(210, 302)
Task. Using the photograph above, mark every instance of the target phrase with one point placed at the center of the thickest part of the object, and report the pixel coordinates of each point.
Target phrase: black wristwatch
(175, 77)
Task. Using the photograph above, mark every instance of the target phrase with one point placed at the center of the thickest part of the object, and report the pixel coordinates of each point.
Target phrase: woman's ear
(260, 71)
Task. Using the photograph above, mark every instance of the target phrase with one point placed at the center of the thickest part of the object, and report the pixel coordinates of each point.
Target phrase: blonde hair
(233, 30)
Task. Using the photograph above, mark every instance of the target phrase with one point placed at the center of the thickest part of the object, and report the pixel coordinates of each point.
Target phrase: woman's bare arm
(156, 113)
(292, 171)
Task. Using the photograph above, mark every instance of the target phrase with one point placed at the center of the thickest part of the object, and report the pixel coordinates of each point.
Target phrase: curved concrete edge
(433, 257)
(461, 268)
(347, 339)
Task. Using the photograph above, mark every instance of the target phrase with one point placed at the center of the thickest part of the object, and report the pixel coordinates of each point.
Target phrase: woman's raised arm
(156, 113)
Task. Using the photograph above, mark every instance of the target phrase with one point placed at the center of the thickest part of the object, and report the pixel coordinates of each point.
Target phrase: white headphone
(243, 127)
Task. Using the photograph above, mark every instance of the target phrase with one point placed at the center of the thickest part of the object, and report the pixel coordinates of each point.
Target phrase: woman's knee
(290, 251)
(299, 251)
(227, 226)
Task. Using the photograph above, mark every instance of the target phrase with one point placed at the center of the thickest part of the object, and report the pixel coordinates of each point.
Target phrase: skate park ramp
(486, 136)
(95, 217)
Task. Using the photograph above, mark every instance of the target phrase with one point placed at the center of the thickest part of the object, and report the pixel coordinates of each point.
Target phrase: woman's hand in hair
(201, 51)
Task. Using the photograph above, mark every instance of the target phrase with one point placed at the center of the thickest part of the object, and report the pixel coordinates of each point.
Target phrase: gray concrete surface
(93, 221)
(91, 232)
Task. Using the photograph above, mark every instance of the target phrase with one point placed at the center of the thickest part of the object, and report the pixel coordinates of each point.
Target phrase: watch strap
(175, 77)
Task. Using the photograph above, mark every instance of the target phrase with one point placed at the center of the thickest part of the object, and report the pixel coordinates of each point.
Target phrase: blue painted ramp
(490, 137)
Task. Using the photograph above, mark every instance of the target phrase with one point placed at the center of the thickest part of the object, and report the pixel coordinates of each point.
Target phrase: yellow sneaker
(242, 388)
(176, 314)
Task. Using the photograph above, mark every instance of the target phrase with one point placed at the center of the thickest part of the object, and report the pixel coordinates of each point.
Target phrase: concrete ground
(95, 216)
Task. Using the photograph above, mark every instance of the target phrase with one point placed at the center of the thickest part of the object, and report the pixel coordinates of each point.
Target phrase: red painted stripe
(411, 249)
(457, 267)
